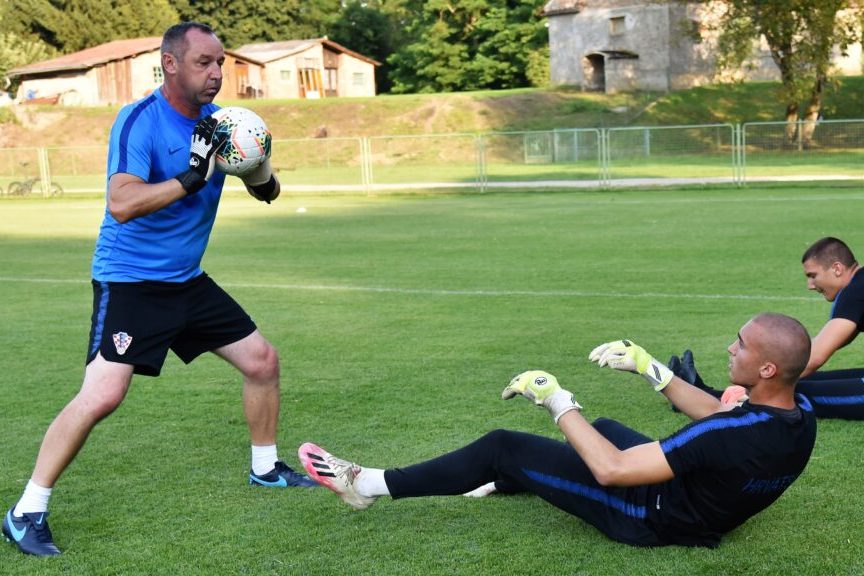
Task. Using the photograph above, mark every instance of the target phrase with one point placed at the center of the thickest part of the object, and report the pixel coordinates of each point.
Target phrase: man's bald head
(785, 342)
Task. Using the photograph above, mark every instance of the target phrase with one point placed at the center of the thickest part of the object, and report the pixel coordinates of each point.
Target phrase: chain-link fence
(831, 149)
(565, 158)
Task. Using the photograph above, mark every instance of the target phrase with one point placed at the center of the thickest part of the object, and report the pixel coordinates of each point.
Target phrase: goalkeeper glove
(202, 155)
(625, 355)
(261, 183)
(543, 389)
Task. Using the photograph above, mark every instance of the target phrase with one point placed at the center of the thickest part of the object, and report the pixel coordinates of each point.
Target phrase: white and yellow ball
(248, 140)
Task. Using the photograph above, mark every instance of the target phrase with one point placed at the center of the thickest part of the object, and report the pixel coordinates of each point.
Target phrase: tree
(365, 28)
(801, 36)
(250, 21)
(17, 50)
(470, 45)
(72, 25)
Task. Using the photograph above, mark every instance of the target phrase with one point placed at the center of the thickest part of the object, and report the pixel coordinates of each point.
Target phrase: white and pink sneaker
(334, 473)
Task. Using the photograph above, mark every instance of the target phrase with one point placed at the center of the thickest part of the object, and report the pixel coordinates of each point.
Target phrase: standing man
(831, 270)
(688, 489)
(149, 291)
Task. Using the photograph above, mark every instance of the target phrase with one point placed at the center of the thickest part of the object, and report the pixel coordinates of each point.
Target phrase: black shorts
(138, 322)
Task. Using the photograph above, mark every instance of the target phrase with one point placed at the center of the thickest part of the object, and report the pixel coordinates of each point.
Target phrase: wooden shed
(316, 68)
(116, 73)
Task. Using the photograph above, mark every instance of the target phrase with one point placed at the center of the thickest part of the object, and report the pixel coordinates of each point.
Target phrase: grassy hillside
(511, 110)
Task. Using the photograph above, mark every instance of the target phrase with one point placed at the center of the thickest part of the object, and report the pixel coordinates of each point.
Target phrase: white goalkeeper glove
(261, 183)
(543, 389)
(625, 355)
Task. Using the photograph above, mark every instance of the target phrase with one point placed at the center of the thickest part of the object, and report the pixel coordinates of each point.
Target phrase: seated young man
(689, 488)
(832, 270)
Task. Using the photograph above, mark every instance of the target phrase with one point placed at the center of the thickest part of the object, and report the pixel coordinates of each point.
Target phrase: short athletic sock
(263, 459)
(370, 483)
(34, 499)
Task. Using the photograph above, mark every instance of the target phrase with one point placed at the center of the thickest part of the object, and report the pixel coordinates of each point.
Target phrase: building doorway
(594, 72)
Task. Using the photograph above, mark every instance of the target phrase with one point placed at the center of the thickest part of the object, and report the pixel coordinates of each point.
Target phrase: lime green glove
(625, 355)
(543, 389)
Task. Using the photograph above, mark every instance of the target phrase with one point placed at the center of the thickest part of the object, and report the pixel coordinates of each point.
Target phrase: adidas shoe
(334, 473)
(30, 533)
(282, 476)
(689, 373)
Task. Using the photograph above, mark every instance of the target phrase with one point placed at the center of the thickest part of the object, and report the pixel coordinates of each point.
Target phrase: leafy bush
(8, 117)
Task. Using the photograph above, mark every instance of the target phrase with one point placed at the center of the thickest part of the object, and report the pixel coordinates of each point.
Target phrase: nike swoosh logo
(17, 534)
(281, 483)
(174, 150)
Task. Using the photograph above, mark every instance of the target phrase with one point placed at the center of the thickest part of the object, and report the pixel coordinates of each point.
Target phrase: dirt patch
(56, 127)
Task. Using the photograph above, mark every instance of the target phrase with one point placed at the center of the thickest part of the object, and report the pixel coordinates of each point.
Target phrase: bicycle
(25, 187)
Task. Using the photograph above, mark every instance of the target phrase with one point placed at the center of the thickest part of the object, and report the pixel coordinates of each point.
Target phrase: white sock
(482, 491)
(263, 459)
(370, 483)
(34, 499)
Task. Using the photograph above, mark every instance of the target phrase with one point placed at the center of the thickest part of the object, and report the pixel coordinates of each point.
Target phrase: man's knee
(501, 441)
(104, 388)
(265, 363)
(98, 402)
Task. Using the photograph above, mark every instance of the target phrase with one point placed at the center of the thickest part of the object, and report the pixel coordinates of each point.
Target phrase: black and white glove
(261, 183)
(202, 155)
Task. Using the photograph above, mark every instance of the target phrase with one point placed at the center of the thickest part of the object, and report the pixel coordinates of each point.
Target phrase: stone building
(625, 45)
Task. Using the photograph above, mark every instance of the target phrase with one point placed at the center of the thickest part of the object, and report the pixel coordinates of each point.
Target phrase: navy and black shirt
(849, 303)
(728, 467)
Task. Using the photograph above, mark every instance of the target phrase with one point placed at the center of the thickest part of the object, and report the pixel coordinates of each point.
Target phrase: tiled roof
(102, 54)
(90, 57)
(563, 7)
(270, 51)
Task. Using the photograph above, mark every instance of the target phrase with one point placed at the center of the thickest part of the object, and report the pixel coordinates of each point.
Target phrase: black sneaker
(689, 373)
(30, 533)
(282, 476)
(674, 365)
(687, 370)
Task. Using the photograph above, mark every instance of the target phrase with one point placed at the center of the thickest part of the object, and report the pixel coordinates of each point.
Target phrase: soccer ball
(248, 143)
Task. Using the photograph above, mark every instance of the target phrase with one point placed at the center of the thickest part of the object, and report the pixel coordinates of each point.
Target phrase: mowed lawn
(399, 320)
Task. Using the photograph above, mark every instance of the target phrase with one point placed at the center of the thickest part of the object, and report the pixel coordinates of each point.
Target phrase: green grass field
(399, 320)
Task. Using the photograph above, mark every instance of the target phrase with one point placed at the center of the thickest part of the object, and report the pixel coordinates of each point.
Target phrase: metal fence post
(366, 164)
(741, 147)
(44, 171)
(603, 157)
(480, 151)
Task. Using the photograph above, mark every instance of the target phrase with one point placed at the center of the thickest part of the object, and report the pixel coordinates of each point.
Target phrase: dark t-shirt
(728, 467)
(849, 303)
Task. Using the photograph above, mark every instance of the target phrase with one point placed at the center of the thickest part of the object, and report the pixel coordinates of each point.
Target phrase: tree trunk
(780, 54)
(811, 113)
(791, 123)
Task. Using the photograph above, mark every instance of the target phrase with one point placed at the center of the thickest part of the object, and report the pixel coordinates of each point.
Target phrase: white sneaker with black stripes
(334, 473)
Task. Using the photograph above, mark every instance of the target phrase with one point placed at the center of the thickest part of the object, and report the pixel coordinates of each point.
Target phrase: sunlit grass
(399, 319)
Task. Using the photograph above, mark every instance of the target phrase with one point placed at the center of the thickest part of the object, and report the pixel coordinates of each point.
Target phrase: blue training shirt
(849, 303)
(728, 467)
(151, 140)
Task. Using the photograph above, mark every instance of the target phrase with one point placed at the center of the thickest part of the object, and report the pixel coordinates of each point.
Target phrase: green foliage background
(423, 46)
